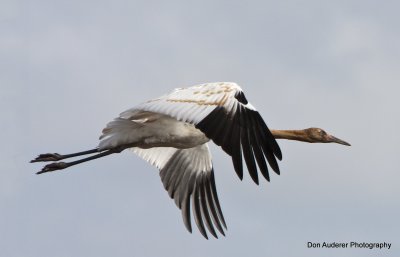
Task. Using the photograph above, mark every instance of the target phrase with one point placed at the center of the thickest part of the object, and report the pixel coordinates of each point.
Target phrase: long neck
(298, 135)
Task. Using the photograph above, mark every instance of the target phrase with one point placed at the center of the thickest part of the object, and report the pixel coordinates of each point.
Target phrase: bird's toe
(52, 167)
(47, 157)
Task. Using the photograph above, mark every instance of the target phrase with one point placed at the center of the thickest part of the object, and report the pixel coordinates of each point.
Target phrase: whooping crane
(171, 133)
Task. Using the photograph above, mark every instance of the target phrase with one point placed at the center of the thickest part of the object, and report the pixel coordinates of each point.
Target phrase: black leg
(50, 157)
(62, 165)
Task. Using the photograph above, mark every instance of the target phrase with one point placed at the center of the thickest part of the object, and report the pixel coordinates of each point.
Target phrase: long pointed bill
(337, 140)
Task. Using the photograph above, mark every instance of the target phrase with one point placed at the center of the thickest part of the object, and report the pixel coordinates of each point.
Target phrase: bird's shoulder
(192, 104)
(215, 93)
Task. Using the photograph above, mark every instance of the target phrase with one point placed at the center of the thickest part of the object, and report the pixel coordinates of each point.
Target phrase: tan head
(317, 135)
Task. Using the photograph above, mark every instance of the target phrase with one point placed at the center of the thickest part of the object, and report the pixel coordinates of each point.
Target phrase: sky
(69, 67)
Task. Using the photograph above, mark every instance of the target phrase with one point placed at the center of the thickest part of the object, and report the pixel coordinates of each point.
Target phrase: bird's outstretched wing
(187, 175)
(222, 112)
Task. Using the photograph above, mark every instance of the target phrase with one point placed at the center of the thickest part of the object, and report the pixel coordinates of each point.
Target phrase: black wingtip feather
(246, 144)
(257, 149)
(204, 206)
(197, 213)
(186, 213)
(215, 198)
(241, 98)
(211, 207)
(237, 150)
(271, 140)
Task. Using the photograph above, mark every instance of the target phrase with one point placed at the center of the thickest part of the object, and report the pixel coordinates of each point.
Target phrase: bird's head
(317, 135)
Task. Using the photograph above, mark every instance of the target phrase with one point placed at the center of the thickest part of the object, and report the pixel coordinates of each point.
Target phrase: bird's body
(172, 133)
(148, 129)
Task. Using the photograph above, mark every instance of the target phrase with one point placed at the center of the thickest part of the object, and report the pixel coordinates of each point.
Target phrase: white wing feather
(156, 156)
(199, 159)
(191, 104)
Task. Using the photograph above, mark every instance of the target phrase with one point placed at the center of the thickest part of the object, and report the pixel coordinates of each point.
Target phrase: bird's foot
(53, 166)
(48, 157)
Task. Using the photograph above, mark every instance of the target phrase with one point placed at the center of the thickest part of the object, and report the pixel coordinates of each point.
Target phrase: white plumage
(171, 132)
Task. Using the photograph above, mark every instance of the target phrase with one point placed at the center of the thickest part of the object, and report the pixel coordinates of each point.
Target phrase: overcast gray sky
(69, 67)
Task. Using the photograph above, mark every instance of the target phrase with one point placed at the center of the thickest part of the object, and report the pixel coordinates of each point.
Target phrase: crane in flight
(171, 132)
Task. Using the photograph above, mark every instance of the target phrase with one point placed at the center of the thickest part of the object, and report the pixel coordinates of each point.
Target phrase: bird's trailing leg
(62, 165)
(51, 157)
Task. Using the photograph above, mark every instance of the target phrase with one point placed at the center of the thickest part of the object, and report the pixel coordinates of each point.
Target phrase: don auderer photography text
(353, 245)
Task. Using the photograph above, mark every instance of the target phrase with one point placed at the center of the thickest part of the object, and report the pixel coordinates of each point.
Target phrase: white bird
(171, 133)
